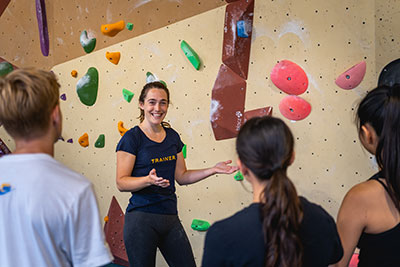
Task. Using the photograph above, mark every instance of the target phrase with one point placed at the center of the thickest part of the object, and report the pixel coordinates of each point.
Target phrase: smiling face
(155, 106)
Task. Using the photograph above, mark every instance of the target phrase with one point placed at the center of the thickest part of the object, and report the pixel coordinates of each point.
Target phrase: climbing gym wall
(323, 39)
(19, 31)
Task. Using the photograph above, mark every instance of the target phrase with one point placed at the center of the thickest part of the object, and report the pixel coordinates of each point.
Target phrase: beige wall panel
(324, 37)
(19, 35)
(387, 33)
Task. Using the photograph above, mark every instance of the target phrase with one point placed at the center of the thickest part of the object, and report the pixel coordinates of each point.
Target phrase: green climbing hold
(5, 68)
(87, 87)
(200, 225)
(150, 77)
(129, 26)
(128, 95)
(100, 141)
(184, 151)
(87, 44)
(165, 84)
(239, 176)
(191, 55)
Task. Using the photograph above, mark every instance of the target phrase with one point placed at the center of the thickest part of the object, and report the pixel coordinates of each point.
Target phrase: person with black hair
(149, 161)
(369, 216)
(279, 228)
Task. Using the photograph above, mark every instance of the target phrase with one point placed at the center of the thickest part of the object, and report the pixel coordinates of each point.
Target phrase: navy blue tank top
(381, 249)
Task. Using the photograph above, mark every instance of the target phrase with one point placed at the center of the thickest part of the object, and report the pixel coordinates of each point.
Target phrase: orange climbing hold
(106, 219)
(84, 140)
(122, 130)
(74, 73)
(112, 29)
(113, 57)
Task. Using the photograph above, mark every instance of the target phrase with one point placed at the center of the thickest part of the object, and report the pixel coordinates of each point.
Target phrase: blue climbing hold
(243, 29)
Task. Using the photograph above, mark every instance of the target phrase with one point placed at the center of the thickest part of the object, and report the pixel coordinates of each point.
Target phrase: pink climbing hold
(294, 108)
(289, 77)
(352, 77)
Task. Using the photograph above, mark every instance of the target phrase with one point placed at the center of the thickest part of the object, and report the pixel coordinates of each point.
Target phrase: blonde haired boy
(49, 215)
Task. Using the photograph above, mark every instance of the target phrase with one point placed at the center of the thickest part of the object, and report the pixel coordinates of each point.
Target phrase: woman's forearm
(132, 184)
(193, 176)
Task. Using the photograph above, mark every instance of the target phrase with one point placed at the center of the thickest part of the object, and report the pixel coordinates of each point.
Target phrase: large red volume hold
(236, 50)
(114, 232)
(260, 112)
(227, 104)
(3, 6)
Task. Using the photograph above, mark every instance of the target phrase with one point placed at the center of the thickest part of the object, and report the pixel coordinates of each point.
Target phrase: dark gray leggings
(144, 232)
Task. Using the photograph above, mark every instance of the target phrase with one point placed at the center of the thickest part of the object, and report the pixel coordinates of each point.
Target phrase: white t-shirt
(49, 217)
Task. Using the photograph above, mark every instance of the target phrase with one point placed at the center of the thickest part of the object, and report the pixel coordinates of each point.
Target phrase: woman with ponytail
(369, 217)
(279, 228)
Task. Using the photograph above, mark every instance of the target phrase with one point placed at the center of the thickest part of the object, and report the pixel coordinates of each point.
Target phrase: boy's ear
(56, 115)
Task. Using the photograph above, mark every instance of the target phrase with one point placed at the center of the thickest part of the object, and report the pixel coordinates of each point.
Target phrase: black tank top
(383, 249)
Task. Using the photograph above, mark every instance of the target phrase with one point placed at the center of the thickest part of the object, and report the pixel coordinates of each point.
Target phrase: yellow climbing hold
(113, 57)
(84, 140)
(112, 29)
(121, 128)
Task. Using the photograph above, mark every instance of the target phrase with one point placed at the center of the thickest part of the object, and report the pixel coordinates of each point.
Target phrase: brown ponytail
(265, 146)
(282, 215)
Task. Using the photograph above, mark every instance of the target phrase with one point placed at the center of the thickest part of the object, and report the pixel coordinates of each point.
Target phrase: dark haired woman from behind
(149, 161)
(279, 228)
(369, 217)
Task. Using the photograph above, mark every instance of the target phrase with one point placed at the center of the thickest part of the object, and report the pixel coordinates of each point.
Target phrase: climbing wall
(19, 31)
(323, 38)
(387, 33)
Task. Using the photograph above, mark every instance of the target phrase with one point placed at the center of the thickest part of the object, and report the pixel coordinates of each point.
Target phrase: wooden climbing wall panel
(19, 35)
(324, 38)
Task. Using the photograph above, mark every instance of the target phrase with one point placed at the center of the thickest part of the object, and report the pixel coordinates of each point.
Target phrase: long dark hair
(381, 109)
(265, 146)
(143, 94)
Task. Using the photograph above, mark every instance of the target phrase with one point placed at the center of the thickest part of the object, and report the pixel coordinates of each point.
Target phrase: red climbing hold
(352, 77)
(114, 232)
(227, 104)
(235, 50)
(260, 112)
(289, 77)
(294, 108)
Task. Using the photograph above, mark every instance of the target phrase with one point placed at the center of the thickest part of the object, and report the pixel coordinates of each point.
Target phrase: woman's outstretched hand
(158, 181)
(224, 167)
